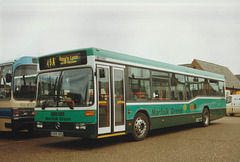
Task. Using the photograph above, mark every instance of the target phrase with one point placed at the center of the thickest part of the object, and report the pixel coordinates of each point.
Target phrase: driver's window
(77, 87)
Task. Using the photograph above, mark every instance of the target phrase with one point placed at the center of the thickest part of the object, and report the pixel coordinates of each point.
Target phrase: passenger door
(111, 99)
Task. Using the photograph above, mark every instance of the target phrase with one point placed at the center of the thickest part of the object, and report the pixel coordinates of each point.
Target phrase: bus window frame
(168, 89)
(13, 84)
(61, 70)
(186, 81)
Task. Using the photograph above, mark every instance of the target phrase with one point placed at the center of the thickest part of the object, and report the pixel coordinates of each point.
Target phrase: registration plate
(57, 134)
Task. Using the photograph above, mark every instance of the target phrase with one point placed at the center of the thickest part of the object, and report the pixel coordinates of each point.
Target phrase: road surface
(218, 142)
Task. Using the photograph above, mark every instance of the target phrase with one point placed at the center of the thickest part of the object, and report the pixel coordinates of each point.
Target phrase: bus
(18, 94)
(95, 93)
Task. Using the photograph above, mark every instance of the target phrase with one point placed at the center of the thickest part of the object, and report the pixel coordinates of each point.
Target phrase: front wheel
(205, 117)
(140, 127)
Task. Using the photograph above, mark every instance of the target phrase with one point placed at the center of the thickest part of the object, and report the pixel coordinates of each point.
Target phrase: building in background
(238, 76)
(232, 82)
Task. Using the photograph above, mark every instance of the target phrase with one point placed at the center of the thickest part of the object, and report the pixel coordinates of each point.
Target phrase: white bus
(17, 94)
(233, 104)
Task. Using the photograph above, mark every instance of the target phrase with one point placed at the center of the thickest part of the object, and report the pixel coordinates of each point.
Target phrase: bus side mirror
(8, 78)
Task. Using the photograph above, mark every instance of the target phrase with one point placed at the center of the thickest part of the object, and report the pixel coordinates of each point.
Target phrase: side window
(214, 89)
(228, 99)
(160, 86)
(177, 87)
(5, 85)
(139, 84)
(203, 87)
(191, 87)
(221, 88)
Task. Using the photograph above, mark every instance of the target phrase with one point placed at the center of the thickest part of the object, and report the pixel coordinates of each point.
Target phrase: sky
(171, 31)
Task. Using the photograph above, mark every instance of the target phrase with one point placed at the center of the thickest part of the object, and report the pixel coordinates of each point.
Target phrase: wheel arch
(145, 112)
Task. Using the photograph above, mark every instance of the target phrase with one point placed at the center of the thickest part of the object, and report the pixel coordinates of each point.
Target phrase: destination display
(63, 60)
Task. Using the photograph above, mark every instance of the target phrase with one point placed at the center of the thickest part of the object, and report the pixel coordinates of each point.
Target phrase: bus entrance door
(111, 99)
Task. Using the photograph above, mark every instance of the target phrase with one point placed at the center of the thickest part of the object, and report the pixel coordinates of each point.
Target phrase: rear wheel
(205, 117)
(140, 127)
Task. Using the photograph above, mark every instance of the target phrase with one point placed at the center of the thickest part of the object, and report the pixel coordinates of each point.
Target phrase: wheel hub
(140, 126)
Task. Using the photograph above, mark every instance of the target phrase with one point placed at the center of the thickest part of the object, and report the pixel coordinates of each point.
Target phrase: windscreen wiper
(45, 104)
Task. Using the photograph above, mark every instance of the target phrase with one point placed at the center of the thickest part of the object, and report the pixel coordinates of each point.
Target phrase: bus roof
(20, 61)
(142, 61)
(25, 60)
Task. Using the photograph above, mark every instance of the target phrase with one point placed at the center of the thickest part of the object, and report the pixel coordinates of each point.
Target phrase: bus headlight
(81, 126)
(39, 125)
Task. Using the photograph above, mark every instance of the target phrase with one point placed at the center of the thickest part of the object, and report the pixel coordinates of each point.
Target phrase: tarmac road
(218, 142)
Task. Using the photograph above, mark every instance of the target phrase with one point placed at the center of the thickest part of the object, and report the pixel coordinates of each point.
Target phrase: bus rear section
(17, 94)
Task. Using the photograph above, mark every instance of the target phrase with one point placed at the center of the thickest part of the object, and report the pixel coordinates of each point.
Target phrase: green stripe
(64, 116)
(170, 109)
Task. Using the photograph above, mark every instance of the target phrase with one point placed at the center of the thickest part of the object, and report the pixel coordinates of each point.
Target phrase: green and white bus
(94, 93)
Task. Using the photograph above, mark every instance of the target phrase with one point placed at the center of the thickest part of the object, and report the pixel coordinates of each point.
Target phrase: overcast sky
(172, 31)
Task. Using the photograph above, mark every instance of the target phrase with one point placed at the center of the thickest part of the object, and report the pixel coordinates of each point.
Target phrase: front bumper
(21, 124)
(68, 129)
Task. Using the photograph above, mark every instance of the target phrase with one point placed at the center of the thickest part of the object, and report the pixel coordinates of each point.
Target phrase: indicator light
(89, 113)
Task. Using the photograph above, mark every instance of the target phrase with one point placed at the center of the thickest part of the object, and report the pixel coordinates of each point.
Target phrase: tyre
(140, 127)
(205, 117)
